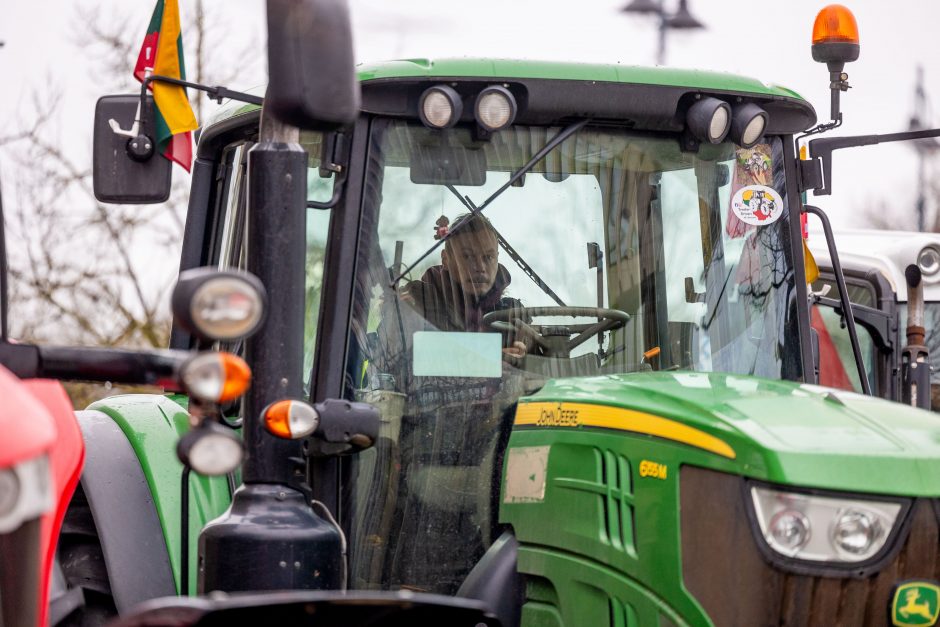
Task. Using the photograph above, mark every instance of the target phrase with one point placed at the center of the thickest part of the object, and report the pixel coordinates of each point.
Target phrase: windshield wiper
(518, 174)
(530, 272)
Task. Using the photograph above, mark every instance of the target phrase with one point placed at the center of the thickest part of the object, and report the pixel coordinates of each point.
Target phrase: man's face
(472, 258)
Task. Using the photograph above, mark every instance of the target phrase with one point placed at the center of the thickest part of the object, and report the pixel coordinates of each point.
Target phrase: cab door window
(231, 238)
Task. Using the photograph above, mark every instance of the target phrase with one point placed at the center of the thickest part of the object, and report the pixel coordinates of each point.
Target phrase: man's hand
(518, 349)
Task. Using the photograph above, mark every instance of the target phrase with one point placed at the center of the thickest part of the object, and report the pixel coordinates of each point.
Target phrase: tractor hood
(781, 431)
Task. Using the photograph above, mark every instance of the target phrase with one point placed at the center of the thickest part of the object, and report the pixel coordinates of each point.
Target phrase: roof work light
(748, 124)
(440, 107)
(709, 120)
(495, 108)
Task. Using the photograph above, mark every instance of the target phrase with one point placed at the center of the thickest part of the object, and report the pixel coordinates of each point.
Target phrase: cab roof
(653, 98)
(562, 70)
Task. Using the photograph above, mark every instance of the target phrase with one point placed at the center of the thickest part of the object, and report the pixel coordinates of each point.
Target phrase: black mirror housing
(312, 78)
(122, 172)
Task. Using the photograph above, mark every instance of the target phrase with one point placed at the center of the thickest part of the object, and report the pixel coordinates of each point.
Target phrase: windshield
(616, 254)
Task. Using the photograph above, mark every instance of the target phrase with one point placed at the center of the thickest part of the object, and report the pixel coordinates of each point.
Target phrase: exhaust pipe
(915, 367)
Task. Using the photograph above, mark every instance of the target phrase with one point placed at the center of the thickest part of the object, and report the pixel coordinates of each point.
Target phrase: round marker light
(440, 107)
(790, 530)
(221, 305)
(215, 377)
(226, 309)
(25, 492)
(855, 532)
(709, 120)
(748, 124)
(9, 491)
(211, 449)
(291, 419)
(495, 108)
(928, 260)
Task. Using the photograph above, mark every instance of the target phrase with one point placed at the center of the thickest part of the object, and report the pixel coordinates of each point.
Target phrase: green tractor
(574, 296)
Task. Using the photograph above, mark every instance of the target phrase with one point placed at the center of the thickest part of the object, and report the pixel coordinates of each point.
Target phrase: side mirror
(126, 167)
(311, 72)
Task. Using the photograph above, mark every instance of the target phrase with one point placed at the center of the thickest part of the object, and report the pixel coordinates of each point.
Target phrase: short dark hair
(470, 223)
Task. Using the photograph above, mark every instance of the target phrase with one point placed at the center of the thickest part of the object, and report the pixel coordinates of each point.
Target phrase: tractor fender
(122, 506)
(152, 424)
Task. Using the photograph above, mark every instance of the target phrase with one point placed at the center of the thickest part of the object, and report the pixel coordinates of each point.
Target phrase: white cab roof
(889, 252)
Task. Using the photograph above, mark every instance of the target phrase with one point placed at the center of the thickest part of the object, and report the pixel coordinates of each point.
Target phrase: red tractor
(41, 457)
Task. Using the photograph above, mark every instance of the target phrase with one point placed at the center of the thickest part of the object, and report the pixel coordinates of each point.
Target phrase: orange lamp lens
(835, 24)
(237, 377)
(291, 419)
(277, 419)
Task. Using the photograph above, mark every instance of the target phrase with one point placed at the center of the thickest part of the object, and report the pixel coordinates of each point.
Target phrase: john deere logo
(915, 603)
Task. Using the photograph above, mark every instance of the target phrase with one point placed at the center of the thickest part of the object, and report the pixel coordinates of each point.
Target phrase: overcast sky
(767, 40)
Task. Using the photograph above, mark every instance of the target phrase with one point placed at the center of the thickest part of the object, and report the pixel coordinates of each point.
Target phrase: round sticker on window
(758, 205)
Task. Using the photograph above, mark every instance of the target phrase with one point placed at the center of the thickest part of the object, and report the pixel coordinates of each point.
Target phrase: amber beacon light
(835, 43)
(835, 36)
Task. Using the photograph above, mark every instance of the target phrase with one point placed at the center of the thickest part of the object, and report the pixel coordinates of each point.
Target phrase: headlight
(216, 304)
(820, 528)
(25, 493)
(211, 449)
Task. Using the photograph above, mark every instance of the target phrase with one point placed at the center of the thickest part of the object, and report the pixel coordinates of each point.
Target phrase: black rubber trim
(122, 506)
(895, 541)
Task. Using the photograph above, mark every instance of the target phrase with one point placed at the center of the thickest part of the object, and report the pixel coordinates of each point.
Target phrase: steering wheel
(556, 340)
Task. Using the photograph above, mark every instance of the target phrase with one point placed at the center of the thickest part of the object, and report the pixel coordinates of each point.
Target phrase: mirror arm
(217, 92)
(823, 147)
(112, 365)
(843, 295)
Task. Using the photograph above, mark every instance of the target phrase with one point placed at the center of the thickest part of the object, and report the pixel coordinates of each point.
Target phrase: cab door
(876, 322)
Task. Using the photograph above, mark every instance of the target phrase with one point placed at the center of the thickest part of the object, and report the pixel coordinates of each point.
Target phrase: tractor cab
(510, 223)
(492, 260)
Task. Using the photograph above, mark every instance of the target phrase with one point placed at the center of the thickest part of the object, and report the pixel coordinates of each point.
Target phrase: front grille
(723, 569)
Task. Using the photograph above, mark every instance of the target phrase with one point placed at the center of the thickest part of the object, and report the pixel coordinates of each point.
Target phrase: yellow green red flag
(162, 54)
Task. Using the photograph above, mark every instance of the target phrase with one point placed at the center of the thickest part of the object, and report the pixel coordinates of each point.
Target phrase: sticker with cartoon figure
(752, 166)
(758, 205)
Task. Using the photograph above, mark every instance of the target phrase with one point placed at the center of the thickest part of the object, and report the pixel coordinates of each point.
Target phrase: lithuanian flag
(162, 54)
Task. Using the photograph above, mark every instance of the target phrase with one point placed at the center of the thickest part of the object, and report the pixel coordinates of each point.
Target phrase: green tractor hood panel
(778, 431)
